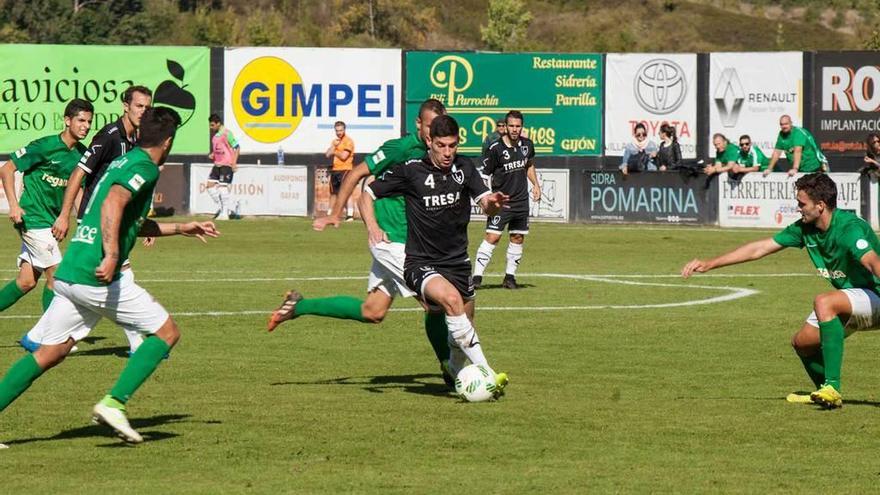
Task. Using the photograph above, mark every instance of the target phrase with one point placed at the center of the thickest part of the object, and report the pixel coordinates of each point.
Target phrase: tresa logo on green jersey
(836, 274)
(85, 234)
(54, 181)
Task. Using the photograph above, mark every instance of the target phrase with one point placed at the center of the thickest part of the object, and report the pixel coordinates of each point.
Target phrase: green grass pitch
(604, 397)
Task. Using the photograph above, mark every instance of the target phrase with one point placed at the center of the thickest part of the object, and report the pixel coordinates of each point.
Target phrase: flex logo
(453, 74)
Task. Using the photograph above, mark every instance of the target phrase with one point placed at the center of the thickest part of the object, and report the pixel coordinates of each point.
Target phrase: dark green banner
(560, 96)
(37, 81)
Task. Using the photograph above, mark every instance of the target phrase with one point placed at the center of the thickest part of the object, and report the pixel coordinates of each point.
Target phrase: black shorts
(517, 222)
(336, 179)
(457, 273)
(221, 174)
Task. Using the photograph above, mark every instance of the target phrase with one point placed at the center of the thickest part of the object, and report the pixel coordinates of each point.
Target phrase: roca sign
(848, 92)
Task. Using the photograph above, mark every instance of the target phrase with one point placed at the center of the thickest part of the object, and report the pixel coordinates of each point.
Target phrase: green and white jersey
(837, 252)
(730, 154)
(754, 158)
(134, 171)
(46, 164)
(391, 212)
(811, 158)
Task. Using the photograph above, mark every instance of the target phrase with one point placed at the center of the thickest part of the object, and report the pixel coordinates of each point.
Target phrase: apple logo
(170, 94)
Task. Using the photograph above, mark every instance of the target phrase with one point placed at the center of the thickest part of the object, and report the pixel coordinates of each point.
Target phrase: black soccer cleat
(509, 282)
(478, 281)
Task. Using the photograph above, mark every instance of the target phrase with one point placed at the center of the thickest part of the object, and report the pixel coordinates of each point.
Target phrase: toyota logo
(660, 86)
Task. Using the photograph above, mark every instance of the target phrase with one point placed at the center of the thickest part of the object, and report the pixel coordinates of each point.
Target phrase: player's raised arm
(747, 252)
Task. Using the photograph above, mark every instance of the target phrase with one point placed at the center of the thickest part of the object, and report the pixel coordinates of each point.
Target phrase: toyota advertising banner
(650, 197)
(748, 92)
(256, 190)
(758, 201)
(846, 100)
(290, 98)
(39, 80)
(559, 94)
(652, 89)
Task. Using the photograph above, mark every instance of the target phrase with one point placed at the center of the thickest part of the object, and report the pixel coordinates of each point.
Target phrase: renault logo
(729, 97)
(660, 86)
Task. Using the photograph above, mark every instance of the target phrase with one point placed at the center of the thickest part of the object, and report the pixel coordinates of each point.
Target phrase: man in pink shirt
(224, 153)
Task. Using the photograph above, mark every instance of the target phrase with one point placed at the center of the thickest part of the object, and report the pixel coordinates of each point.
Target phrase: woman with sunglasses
(638, 155)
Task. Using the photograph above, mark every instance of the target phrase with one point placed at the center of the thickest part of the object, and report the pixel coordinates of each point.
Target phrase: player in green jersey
(89, 285)
(386, 275)
(799, 147)
(725, 155)
(844, 250)
(750, 158)
(45, 165)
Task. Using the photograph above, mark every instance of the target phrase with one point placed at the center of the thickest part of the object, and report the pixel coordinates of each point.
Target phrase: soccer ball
(475, 383)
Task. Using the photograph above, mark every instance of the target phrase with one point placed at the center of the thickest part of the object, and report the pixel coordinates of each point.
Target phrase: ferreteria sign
(560, 96)
(37, 81)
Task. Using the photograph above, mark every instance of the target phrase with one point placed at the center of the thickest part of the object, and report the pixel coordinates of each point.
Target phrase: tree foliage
(400, 23)
(508, 25)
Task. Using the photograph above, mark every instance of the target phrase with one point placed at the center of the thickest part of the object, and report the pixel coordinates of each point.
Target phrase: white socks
(463, 336)
(223, 194)
(215, 194)
(484, 256)
(514, 255)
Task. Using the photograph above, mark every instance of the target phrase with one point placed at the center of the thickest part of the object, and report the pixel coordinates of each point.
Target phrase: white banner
(553, 206)
(256, 190)
(748, 92)
(652, 89)
(758, 201)
(289, 98)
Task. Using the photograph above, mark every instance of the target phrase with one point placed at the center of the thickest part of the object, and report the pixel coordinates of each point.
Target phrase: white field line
(732, 293)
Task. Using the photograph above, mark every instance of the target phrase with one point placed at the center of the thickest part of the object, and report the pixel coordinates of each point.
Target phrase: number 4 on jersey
(429, 181)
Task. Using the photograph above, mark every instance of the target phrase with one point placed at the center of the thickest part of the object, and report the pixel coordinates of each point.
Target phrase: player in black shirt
(509, 163)
(437, 190)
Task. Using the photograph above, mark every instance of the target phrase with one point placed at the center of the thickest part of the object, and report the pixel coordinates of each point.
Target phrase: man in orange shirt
(342, 151)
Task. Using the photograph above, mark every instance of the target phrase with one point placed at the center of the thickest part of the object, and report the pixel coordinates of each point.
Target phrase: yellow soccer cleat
(827, 397)
(796, 398)
(501, 381)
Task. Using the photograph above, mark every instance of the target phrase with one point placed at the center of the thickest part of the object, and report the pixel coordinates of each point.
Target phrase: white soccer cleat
(3, 446)
(115, 418)
(223, 216)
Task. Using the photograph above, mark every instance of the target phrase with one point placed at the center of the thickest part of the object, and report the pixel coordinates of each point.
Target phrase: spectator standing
(341, 149)
(638, 154)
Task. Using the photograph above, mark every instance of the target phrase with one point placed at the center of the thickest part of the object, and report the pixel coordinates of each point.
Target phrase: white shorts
(39, 248)
(77, 308)
(386, 274)
(865, 311)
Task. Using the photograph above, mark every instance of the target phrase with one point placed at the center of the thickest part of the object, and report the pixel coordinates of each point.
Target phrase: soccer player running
(386, 274)
(112, 141)
(799, 147)
(224, 153)
(46, 165)
(509, 162)
(437, 189)
(89, 285)
(844, 250)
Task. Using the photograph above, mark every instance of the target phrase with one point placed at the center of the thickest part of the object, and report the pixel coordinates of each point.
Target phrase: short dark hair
(669, 130)
(339, 123)
(76, 106)
(444, 126)
(516, 114)
(215, 119)
(869, 142)
(433, 105)
(745, 136)
(819, 187)
(157, 125)
(129, 93)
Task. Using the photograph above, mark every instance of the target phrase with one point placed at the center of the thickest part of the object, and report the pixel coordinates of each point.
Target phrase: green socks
(437, 332)
(48, 294)
(831, 334)
(815, 367)
(9, 295)
(342, 307)
(140, 366)
(18, 379)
